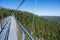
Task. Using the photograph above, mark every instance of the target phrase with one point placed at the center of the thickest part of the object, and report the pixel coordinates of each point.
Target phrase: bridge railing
(4, 25)
(7, 33)
(4, 33)
(24, 31)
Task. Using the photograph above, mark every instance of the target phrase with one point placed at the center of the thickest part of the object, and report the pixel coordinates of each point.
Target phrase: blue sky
(43, 7)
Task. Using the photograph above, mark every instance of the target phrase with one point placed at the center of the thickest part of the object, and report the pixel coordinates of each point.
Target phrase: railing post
(23, 35)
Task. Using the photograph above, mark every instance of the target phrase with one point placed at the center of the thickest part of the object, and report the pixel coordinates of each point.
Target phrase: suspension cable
(20, 4)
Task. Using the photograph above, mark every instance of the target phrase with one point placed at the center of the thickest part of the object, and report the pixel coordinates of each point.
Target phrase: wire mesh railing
(25, 32)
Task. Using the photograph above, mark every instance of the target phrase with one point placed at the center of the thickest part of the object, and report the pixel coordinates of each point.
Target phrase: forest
(40, 27)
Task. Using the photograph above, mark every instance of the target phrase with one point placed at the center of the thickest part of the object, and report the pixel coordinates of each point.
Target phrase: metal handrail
(24, 30)
(7, 33)
(4, 26)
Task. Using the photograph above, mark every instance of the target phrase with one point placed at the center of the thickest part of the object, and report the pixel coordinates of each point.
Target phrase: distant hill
(54, 18)
(41, 29)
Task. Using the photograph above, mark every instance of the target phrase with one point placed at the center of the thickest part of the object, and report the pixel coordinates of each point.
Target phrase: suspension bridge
(10, 30)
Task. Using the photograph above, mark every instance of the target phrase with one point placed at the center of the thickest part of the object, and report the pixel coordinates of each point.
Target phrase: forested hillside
(4, 13)
(41, 29)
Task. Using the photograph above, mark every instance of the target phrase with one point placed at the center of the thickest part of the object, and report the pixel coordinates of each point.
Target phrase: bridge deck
(12, 32)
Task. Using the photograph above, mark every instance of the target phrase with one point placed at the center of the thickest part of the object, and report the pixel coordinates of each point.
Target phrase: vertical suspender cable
(35, 12)
(34, 15)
